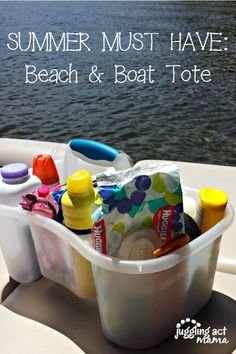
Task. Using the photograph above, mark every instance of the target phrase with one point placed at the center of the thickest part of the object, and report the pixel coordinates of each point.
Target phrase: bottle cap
(14, 172)
(213, 198)
(80, 182)
(43, 191)
(44, 168)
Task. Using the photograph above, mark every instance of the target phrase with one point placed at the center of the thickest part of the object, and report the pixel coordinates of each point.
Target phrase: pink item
(43, 209)
(42, 203)
(43, 191)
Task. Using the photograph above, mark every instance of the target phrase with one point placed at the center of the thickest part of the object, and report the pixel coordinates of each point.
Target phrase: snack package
(142, 209)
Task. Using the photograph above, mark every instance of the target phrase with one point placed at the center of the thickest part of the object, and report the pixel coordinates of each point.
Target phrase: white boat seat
(20, 335)
(4, 276)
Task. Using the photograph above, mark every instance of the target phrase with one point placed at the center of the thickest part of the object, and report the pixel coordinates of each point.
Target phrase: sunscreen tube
(211, 208)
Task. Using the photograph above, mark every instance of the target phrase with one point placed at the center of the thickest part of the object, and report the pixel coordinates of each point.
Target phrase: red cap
(44, 168)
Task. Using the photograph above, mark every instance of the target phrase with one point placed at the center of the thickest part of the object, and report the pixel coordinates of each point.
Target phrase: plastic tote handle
(94, 156)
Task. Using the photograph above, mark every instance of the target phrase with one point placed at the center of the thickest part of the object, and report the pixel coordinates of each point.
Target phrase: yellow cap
(79, 183)
(213, 198)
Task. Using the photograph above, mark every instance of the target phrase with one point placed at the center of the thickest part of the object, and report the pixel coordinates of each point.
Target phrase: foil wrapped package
(142, 209)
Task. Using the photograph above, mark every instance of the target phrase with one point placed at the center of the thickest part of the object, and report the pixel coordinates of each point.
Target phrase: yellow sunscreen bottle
(211, 208)
(77, 205)
(77, 202)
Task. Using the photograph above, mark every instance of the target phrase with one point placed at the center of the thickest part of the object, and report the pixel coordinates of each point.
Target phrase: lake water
(181, 121)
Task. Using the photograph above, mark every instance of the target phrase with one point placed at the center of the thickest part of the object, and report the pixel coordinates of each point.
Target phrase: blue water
(184, 121)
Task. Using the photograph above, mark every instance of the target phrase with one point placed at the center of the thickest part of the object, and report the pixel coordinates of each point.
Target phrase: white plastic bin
(56, 261)
(15, 238)
(17, 245)
(140, 302)
(58, 251)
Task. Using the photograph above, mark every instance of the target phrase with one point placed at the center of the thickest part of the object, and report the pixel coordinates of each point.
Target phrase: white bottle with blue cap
(92, 156)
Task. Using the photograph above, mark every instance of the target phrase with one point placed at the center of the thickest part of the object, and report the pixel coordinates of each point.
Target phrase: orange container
(44, 168)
